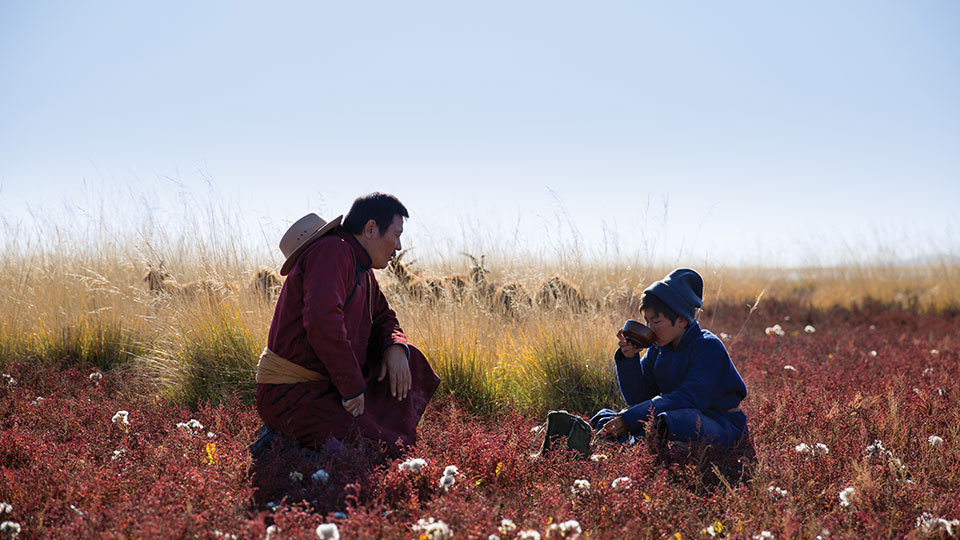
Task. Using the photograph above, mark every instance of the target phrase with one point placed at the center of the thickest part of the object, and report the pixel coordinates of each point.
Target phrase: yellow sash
(275, 369)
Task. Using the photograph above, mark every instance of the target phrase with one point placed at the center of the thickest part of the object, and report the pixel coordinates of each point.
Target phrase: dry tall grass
(83, 300)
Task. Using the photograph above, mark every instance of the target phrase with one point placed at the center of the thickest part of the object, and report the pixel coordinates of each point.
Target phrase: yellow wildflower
(211, 453)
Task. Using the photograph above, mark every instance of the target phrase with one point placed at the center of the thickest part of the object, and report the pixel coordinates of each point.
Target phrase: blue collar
(689, 335)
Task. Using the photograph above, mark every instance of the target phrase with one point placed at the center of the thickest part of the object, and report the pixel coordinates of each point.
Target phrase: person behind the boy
(686, 380)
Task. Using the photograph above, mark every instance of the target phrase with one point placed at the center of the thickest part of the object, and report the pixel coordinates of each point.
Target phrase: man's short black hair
(651, 301)
(380, 207)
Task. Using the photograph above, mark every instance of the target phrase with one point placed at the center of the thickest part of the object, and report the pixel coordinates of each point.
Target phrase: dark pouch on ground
(563, 425)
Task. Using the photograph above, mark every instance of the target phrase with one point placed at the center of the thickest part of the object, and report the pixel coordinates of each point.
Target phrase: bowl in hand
(638, 334)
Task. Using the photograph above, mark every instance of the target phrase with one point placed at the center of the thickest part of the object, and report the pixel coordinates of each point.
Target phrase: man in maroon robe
(337, 363)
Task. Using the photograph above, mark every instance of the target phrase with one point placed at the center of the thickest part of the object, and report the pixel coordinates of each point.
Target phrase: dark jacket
(331, 317)
(698, 374)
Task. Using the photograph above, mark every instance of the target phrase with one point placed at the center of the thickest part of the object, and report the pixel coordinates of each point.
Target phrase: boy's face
(668, 333)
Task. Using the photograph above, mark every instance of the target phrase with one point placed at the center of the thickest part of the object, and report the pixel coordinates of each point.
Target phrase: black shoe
(265, 437)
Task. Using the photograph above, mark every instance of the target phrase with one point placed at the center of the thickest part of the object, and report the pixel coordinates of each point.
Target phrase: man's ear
(371, 228)
(683, 322)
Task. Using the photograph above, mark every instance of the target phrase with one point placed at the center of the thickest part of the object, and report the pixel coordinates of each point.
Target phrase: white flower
(929, 524)
(536, 429)
(622, 482)
(451, 470)
(846, 497)
(580, 487)
(447, 481)
(10, 528)
(321, 476)
(819, 448)
(764, 535)
(96, 377)
(414, 465)
(597, 457)
(433, 529)
(569, 526)
(39, 400)
(493, 537)
(567, 529)
(228, 536)
(875, 448)
(934, 352)
(10, 382)
(296, 476)
(211, 435)
(934, 440)
(328, 531)
(191, 426)
(774, 330)
(778, 491)
(873, 353)
(121, 418)
(5, 508)
(507, 526)
(809, 329)
(788, 367)
(273, 531)
(528, 535)
(117, 454)
(926, 523)
(873, 327)
(724, 335)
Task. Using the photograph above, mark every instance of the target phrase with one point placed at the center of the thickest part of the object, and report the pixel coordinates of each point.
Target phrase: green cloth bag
(563, 425)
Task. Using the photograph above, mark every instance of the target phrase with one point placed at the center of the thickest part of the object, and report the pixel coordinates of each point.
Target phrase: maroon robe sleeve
(386, 328)
(328, 277)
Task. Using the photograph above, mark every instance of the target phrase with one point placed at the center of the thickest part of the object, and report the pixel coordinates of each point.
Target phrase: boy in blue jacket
(685, 381)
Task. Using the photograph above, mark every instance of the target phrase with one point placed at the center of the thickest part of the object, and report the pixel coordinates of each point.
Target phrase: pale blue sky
(774, 131)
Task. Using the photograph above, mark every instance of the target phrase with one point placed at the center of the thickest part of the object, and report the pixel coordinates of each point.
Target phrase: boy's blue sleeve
(635, 376)
(707, 368)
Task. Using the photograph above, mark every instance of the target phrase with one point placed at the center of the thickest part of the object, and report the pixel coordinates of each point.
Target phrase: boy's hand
(628, 349)
(614, 428)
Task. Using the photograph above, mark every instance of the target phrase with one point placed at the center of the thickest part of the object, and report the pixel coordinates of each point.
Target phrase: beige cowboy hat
(301, 234)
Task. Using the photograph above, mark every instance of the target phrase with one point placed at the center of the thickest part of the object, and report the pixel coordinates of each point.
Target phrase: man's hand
(628, 349)
(614, 428)
(353, 406)
(396, 364)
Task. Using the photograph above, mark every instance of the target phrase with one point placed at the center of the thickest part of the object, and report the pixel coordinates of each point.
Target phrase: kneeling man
(337, 364)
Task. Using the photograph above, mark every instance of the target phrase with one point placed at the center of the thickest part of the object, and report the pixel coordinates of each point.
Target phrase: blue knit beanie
(682, 290)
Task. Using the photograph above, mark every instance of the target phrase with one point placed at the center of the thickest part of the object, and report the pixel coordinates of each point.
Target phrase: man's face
(668, 333)
(382, 247)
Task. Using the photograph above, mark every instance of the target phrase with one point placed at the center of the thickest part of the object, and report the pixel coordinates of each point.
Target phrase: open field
(880, 365)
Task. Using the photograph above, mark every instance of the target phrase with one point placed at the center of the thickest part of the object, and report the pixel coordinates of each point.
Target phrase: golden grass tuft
(83, 301)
